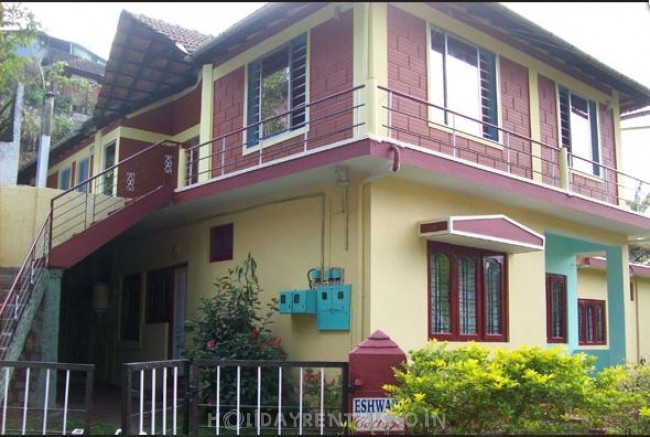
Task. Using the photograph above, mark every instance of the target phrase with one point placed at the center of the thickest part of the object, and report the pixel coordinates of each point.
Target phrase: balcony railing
(329, 121)
(108, 191)
(334, 120)
(409, 120)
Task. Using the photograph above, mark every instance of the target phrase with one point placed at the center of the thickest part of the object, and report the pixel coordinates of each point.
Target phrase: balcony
(345, 118)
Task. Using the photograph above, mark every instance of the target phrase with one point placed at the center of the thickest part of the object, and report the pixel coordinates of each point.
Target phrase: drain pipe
(397, 157)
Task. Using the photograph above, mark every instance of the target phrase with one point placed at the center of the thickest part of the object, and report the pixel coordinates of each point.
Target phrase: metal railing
(74, 211)
(23, 287)
(110, 190)
(409, 120)
(605, 183)
(328, 120)
(160, 391)
(261, 397)
(46, 398)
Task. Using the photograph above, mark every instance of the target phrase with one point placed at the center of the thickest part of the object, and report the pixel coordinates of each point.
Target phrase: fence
(235, 396)
(46, 398)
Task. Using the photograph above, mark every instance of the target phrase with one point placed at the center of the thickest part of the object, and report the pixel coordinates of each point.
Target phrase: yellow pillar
(618, 148)
(535, 130)
(360, 69)
(564, 168)
(182, 168)
(207, 122)
(377, 69)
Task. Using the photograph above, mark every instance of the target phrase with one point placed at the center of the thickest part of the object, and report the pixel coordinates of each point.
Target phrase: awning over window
(491, 232)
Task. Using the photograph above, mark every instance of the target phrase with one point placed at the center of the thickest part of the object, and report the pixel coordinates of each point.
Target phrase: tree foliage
(640, 204)
(74, 96)
(18, 28)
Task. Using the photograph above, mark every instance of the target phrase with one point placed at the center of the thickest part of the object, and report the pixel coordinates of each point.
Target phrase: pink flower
(211, 344)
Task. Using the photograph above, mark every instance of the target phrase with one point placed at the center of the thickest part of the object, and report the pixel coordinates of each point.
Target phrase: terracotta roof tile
(189, 39)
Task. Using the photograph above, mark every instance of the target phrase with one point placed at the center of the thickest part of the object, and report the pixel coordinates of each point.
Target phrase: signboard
(369, 415)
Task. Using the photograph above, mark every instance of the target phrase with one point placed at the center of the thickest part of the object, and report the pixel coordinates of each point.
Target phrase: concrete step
(7, 276)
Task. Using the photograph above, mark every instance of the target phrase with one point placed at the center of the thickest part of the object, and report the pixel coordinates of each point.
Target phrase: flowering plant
(230, 325)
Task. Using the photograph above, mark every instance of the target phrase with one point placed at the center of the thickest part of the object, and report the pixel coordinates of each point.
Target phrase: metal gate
(45, 398)
(235, 397)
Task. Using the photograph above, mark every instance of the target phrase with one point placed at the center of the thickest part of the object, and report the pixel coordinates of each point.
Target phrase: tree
(18, 28)
(74, 96)
(640, 204)
(70, 94)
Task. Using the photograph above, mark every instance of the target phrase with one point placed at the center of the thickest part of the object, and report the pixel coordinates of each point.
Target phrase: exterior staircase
(79, 222)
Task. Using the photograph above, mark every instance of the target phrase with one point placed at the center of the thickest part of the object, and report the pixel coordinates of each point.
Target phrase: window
(109, 161)
(130, 308)
(591, 322)
(556, 309)
(192, 160)
(221, 243)
(467, 295)
(277, 84)
(83, 172)
(64, 179)
(462, 78)
(579, 131)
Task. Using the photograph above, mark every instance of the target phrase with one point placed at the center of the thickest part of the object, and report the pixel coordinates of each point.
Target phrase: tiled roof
(189, 39)
(86, 66)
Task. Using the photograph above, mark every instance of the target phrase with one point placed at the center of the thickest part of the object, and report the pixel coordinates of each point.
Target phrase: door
(166, 303)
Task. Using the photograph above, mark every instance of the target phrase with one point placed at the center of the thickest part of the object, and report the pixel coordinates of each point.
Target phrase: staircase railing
(74, 211)
(27, 280)
(110, 190)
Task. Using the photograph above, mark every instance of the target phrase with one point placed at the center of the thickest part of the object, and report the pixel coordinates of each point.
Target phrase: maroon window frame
(592, 331)
(221, 243)
(481, 257)
(560, 337)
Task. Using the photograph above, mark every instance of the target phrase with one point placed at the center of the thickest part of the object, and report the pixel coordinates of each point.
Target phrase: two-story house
(434, 170)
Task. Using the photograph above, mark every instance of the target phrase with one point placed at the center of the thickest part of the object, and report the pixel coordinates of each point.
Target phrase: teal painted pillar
(50, 331)
(561, 260)
(616, 295)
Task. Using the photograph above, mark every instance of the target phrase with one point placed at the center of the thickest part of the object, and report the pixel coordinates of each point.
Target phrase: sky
(615, 33)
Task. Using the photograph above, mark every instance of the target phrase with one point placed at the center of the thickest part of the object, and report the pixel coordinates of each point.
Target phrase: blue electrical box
(286, 302)
(304, 302)
(333, 306)
(297, 302)
(334, 276)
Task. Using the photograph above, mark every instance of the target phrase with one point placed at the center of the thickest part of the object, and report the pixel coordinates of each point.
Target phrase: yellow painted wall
(592, 283)
(398, 261)
(642, 300)
(283, 234)
(22, 212)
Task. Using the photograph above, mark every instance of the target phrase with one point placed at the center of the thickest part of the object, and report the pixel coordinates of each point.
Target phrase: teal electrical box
(304, 302)
(285, 302)
(333, 307)
(297, 302)
(334, 276)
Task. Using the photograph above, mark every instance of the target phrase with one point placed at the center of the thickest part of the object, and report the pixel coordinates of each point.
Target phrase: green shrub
(621, 400)
(476, 390)
(230, 326)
